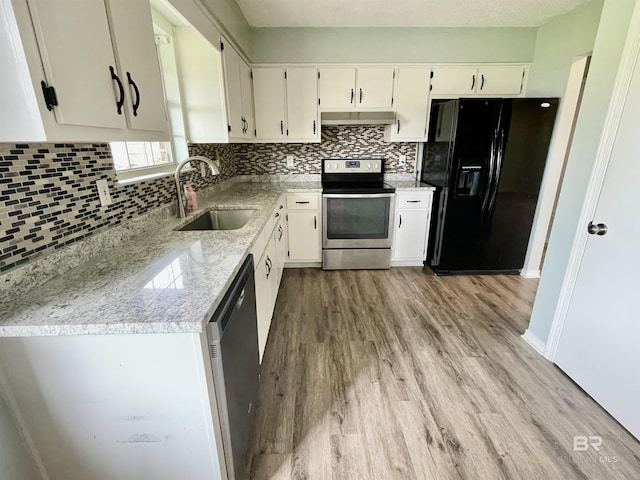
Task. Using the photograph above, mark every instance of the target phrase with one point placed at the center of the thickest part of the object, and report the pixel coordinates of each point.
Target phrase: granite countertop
(410, 185)
(159, 281)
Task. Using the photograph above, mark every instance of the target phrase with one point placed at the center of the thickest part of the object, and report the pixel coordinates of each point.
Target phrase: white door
(304, 236)
(302, 103)
(248, 111)
(411, 234)
(500, 80)
(454, 81)
(133, 38)
(412, 103)
(231, 62)
(337, 88)
(268, 87)
(281, 247)
(374, 87)
(599, 347)
(263, 296)
(77, 55)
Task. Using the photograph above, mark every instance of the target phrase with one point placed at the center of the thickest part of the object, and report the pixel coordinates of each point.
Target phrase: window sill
(128, 177)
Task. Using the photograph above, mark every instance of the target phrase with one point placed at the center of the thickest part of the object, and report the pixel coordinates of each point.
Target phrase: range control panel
(372, 165)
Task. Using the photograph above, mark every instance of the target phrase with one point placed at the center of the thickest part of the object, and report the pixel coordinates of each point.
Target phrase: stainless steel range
(357, 214)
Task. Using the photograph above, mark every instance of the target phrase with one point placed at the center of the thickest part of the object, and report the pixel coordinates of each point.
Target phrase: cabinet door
(411, 235)
(231, 61)
(281, 241)
(248, 111)
(337, 88)
(412, 103)
(77, 54)
(454, 80)
(375, 87)
(263, 296)
(506, 80)
(302, 103)
(304, 236)
(133, 38)
(268, 86)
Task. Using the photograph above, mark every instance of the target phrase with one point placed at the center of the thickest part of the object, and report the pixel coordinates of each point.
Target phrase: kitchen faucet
(214, 171)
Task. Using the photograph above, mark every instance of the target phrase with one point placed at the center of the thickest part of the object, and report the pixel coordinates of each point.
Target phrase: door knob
(599, 229)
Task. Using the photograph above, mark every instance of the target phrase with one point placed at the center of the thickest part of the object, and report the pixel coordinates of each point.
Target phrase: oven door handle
(358, 195)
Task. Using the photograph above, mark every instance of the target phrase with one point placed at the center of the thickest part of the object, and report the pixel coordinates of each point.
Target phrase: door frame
(629, 61)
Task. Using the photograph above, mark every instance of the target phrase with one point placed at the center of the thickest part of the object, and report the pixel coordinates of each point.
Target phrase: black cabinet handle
(352, 95)
(242, 120)
(301, 203)
(473, 82)
(280, 207)
(414, 201)
(360, 95)
(482, 84)
(277, 214)
(315, 222)
(266, 262)
(120, 102)
(398, 126)
(136, 104)
(314, 127)
(246, 122)
(281, 127)
(400, 223)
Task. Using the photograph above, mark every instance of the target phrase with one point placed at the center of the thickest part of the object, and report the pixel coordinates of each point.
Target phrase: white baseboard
(408, 263)
(537, 344)
(530, 273)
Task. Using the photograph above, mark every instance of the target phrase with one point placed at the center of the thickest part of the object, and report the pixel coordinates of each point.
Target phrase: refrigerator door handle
(492, 160)
(497, 172)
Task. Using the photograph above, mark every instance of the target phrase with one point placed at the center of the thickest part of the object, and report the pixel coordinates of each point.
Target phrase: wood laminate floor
(400, 374)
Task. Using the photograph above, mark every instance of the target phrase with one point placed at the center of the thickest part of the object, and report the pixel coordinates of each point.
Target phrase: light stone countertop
(408, 185)
(158, 281)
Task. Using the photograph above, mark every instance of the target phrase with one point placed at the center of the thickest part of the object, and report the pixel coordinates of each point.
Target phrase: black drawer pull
(277, 214)
(315, 222)
(414, 201)
(302, 203)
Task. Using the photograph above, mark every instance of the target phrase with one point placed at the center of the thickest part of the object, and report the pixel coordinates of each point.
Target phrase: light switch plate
(402, 160)
(290, 161)
(103, 192)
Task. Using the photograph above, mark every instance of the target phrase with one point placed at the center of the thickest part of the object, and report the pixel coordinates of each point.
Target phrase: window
(128, 155)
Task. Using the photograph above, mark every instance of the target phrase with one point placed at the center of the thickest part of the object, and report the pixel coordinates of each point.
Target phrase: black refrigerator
(486, 158)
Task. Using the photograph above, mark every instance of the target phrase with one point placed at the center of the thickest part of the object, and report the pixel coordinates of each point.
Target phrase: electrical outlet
(103, 191)
(402, 160)
(290, 161)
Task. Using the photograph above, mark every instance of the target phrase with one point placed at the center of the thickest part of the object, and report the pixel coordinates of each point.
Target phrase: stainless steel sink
(219, 220)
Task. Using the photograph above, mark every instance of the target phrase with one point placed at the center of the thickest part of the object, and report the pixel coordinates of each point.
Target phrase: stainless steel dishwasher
(233, 349)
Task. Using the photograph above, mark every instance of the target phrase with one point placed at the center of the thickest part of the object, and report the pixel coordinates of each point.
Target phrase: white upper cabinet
(302, 104)
(286, 103)
(375, 87)
(337, 88)
(269, 95)
(504, 80)
(79, 88)
(499, 80)
(238, 85)
(361, 88)
(131, 24)
(454, 80)
(412, 104)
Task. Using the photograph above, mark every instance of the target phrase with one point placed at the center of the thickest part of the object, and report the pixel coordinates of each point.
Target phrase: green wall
(612, 31)
(557, 44)
(392, 45)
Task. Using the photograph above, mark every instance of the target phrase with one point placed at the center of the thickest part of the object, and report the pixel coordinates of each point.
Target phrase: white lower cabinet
(413, 216)
(304, 225)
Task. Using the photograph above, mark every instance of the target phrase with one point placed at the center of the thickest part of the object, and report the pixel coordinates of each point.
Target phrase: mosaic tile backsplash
(337, 142)
(48, 197)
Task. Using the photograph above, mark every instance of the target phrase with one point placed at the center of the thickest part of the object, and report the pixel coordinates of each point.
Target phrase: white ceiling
(404, 13)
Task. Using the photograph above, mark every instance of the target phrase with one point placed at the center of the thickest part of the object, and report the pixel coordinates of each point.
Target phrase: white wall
(612, 30)
(16, 462)
(558, 44)
(392, 45)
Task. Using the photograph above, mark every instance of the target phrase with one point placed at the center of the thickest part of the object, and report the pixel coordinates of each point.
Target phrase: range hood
(357, 118)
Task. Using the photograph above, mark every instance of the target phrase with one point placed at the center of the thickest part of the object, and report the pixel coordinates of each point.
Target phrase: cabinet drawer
(414, 201)
(303, 202)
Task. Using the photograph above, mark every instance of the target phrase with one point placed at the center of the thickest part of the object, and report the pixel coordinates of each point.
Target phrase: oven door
(357, 220)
